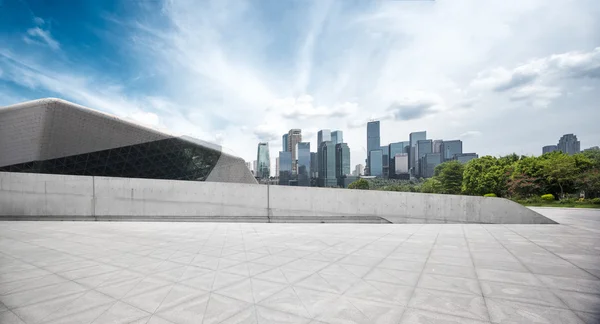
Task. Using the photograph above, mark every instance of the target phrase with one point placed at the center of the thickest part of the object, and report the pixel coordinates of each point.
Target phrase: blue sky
(504, 76)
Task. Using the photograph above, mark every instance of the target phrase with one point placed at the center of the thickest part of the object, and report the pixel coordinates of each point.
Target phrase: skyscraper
(465, 157)
(303, 165)
(395, 148)
(373, 142)
(255, 168)
(314, 164)
(437, 146)
(285, 142)
(327, 165)
(421, 148)
(285, 168)
(264, 163)
(337, 137)
(414, 137)
(376, 161)
(385, 160)
(549, 148)
(450, 148)
(400, 166)
(294, 137)
(569, 144)
(323, 136)
(359, 170)
(342, 160)
(277, 166)
(428, 163)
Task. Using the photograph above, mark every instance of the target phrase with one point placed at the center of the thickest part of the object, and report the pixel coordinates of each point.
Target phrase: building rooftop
(127, 272)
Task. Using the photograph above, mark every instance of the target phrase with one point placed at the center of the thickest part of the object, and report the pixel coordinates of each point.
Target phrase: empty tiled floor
(99, 272)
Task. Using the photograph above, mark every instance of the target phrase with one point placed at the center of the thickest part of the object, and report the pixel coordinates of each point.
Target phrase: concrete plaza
(143, 272)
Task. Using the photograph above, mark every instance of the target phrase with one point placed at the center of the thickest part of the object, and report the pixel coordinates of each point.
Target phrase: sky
(504, 76)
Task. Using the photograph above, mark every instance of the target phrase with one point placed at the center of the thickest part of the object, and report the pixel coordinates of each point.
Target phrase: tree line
(511, 176)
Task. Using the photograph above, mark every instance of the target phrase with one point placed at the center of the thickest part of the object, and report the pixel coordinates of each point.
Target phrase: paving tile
(451, 284)
(589, 318)
(589, 303)
(8, 317)
(406, 278)
(41, 294)
(504, 311)
(418, 316)
(450, 270)
(462, 305)
(520, 278)
(120, 312)
(287, 301)
(381, 291)
(525, 294)
(573, 284)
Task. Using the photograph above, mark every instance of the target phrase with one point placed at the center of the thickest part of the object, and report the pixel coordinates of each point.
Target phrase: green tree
(561, 169)
(594, 156)
(486, 175)
(431, 185)
(359, 184)
(589, 181)
(450, 176)
(527, 178)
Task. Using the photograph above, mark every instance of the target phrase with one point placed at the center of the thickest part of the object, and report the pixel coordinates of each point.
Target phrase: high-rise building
(400, 166)
(277, 166)
(428, 163)
(437, 146)
(385, 160)
(373, 141)
(323, 135)
(303, 163)
(284, 142)
(569, 144)
(314, 165)
(450, 148)
(359, 170)
(376, 163)
(342, 160)
(294, 137)
(465, 157)
(337, 137)
(249, 165)
(255, 168)
(327, 165)
(285, 168)
(264, 163)
(395, 148)
(421, 148)
(549, 148)
(413, 138)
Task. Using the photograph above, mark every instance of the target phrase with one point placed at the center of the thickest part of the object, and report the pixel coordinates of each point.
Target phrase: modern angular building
(396, 148)
(294, 137)
(327, 165)
(376, 161)
(284, 142)
(421, 148)
(450, 148)
(303, 163)
(549, 148)
(428, 163)
(264, 161)
(569, 144)
(337, 137)
(413, 138)
(401, 170)
(285, 168)
(55, 136)
(465, 157)
(373, 143)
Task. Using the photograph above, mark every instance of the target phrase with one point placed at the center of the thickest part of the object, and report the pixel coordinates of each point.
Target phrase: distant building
(327, 165)
(373, 141)
(395, 148)
(342, 160)
(593, 148)
(549, 148)
(249, 165)
(254, 167)
(401, 170)
(568, 144)
(303, 163)
(359, 170)
(277, 166)
(413, 138)
(450, 148)
(323, 135)
(314, 165)
(344, 182)
(376, 163)
(337, 137)
(294, 137)
(385, 160)
(428, 163)
(421, 148)
(285, 168)
(437, 146)
(264, 163)
(284, 142)
(465, 157)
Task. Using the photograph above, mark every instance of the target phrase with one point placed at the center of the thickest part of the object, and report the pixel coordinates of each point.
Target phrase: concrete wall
(78, 197)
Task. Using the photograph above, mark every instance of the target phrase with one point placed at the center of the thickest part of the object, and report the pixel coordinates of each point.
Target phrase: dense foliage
(554, 174)
(359, 184)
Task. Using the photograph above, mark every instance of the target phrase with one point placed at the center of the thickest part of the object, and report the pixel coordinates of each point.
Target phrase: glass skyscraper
(304, 163)
(284, 142)
(294, 137)
(569, 144)
(285, 168)
(414, 137)
(263, 161)
(450, 148)
(323, 135)
(396, 148)
(376, 161)
(373, 142)
(314, 164)
(423, 147)
(342, 160)
(385, 160)
(337, 137)
(327, 165)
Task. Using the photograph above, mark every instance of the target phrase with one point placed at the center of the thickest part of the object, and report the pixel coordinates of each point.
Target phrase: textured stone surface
(152, 273)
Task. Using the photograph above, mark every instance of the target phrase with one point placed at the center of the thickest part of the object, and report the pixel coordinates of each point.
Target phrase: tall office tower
(549, 148)
(359, 169)
(314, 164)
(465, 157)
(568, 144)
(249, 165)
(327, 165)
(450, 148)
(376, 161)
(255, 167)
(337, 137)
(385, 160)
(294, 137)
(428, 163)
(285, 168)
(437, 146)
(277, 166)
(323, 135)
(413, 138)
(395, 148)
(264, 163)
(303, 163)
(423, 147)
(342, 160)
(285, 142)
(401, 166)
(373, 141)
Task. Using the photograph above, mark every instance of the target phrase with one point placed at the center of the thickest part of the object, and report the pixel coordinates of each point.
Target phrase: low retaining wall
(43, 196)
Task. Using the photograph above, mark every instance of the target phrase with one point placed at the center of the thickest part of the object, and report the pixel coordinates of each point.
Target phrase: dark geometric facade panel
(170, 158)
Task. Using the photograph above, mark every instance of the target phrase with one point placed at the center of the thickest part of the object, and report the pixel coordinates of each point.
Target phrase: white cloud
(303, 108)
(470, 134)
(40, 36)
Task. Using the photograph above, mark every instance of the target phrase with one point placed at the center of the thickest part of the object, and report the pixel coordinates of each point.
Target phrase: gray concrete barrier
(43, 196)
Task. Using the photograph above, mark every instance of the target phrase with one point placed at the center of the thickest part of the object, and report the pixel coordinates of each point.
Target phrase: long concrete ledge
(26, 196)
